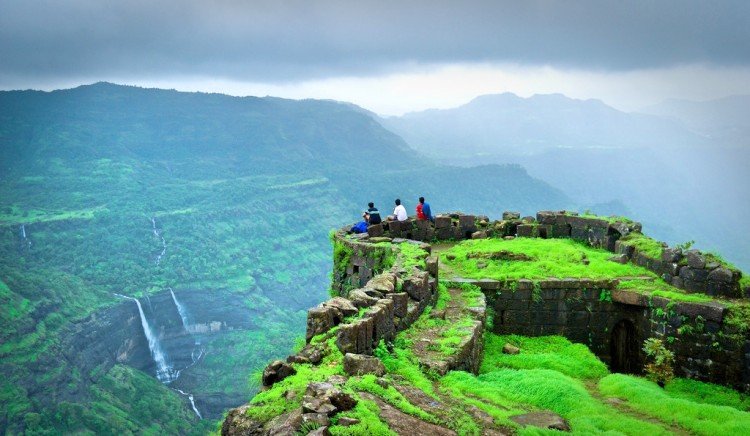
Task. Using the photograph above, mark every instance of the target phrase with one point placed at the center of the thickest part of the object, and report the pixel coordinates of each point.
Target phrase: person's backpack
(360, 227)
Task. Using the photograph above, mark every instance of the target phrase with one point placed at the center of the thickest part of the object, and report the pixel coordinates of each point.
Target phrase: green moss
(661, 289)
(548, 258)
(551, 390)
(367, 383)
(412, 255)
(688, 410)
(367, 412)
(544, 352)
(648, 246)
(610, 219)
(707, 393)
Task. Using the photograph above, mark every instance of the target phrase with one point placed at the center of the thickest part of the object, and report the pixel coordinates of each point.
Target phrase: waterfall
(185, 316)
(157, 233)
(23, 236)
(164, 371)
(181, 309)
(192, 401)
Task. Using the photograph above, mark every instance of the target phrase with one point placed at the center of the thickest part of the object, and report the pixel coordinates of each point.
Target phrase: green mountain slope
(227, 201)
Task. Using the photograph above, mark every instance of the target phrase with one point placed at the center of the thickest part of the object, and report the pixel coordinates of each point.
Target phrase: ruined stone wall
(615, 322)
(691, 270)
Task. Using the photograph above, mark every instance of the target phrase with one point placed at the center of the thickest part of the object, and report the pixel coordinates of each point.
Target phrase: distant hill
(508, 125)
(108, 189)
(724, 121)
(682, 171)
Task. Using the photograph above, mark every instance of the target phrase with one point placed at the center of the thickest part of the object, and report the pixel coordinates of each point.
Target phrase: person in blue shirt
(423, 210)
(361, 227)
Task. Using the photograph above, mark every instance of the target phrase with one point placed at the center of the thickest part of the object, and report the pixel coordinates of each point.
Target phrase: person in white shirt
(399, 212)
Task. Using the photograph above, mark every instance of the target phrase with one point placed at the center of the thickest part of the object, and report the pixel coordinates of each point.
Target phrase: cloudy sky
(388, 56)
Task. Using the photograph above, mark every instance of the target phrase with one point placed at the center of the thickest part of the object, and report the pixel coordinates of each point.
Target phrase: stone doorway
(625, 348)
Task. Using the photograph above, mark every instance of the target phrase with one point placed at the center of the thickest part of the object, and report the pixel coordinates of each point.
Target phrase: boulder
(345, 421)
(342, 305)
(546, 420)
(721, 274)
(481, 234)
(237, 423)
(431, 264)
(511, 215)
(360, 298)
(695, 259)
(384, 282)
(619, 258)
(671, 255)
(276, 371)
(510, 349)
(359, 364)
(400, 303)
(319, 320)
(375, 230)
(320, 431)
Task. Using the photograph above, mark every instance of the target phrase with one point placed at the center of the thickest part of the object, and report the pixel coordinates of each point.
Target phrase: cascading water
(185, 316)
(192, 401)
(23, 236)
(164, 371)
(163, 241)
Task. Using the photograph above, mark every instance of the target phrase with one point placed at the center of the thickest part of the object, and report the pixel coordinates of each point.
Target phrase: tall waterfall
(185, 316)
(164, 371)
(23, 231)
(192, 401)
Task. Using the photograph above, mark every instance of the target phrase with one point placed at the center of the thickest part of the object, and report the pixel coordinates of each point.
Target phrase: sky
(387, 56)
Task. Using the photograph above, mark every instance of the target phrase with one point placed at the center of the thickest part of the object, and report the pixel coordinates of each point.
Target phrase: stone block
(560, 231)
(431, 265)
(695, 259)
(511, 215)
(480, 234)
(630, 298)
(400, 303)
(319, 320)
(357, 364)
(545, 217)
(276, 371)
(416, 285)
(375, 230)
(671, 255)
(526, 231)
(442, 222)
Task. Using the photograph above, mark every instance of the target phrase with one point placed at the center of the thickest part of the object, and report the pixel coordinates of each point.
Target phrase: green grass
(560, 258)
(688, 410)
(367, 412)
(707, 393)
(551, 390)
(661, 289)
(411, 255)
(610, 219)
(544, 352)
(648, 246)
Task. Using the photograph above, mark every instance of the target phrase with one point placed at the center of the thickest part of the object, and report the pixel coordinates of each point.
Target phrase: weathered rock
(721, 275)
(358, 364)
(342, 305)
(319, 320)
(345, 421)
(619, 258)
(384, 282)
(375, 230)
(317, 418)
(548, 420)
(360, 298)
(400, 303)
(511, 215)
(450, 256)
(286, 424)
(695, 259)
(320, 431)
(379, 239)
(404, 424)
(510, 349)
(671, 255)
(237, 423)
(416, 285)
(276, 371)
(481, 234)
(431, 264)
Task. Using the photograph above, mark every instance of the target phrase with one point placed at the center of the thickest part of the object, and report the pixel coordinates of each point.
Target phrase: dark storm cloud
(276, 41)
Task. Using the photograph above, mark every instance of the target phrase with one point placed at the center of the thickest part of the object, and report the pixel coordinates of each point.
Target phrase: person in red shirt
(423, 210)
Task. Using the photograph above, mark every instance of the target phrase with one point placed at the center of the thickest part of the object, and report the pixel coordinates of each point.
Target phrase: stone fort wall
(612, 322)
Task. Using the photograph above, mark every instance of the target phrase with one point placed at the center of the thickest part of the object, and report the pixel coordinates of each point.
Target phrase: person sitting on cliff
(399, 213)
(374, 214)
(361, 227)
(423, 210)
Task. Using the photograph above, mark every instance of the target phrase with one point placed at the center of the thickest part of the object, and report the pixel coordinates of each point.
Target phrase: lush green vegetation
(688, 410)
(547, 258)
(243, 191)
(648, 246)
(546, 352)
